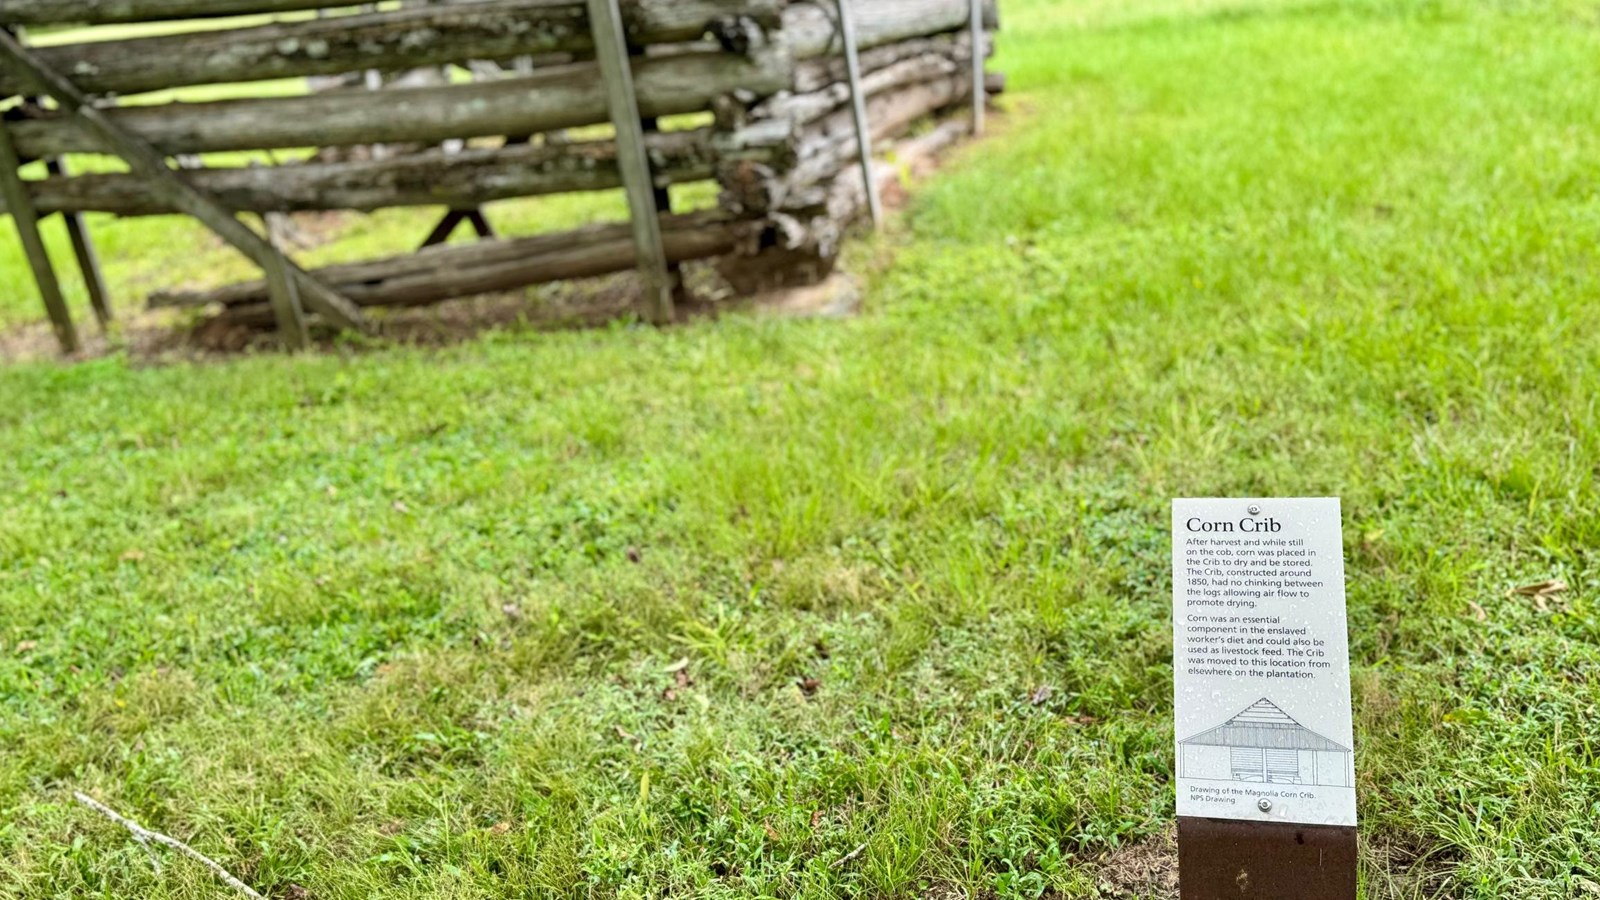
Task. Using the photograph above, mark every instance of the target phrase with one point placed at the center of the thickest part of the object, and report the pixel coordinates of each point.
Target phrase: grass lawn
(873, 608)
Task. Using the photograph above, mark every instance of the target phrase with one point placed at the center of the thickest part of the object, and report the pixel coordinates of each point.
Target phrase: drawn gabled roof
(1263, 724)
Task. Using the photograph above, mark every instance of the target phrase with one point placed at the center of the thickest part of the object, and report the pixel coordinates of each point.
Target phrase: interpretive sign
(1261, 671)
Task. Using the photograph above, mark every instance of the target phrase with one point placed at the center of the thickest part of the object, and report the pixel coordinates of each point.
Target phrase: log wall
(784, 145)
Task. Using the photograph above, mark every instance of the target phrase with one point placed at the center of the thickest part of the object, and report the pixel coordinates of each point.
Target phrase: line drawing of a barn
(1265, 745)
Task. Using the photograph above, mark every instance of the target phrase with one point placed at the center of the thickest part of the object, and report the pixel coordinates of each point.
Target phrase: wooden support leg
(20, 203)
(480, 223)
(611, 51)
(442, 231)
(88, 259)
(680, 290)
(453, 219)
(282, 291)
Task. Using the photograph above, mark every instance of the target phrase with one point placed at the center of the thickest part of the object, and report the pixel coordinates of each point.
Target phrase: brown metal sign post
(1265, 738)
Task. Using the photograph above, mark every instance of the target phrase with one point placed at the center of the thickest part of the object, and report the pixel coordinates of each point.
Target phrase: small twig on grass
(847, 857)
(144, 836)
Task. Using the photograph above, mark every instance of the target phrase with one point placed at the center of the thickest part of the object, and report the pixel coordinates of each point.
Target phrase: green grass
(403, 623)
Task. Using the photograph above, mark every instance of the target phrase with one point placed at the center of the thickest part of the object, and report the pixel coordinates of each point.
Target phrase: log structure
(785, 144)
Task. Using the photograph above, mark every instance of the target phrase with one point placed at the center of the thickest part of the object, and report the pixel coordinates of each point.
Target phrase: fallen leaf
(682, 678)
(1542, 589)
(669, 695)
(772, 833)
(401, 507)
(1477, 612)
(678, 666)
(816, 818)
(1041, 694)
(132, 555)
(512, 611)
(623, 733)
(809, 686)
(25, 646)
(500, 828)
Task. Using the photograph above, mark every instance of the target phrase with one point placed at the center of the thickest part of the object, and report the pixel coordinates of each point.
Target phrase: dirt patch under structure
(1145, 870)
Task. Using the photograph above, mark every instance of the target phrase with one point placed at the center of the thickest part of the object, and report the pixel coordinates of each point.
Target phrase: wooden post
(20, 203)
(611, 51)
(146, 161)
(1223, 858)
(663, 194)
(980, 93)
(858, 98)
(94, 279)
(282, 292)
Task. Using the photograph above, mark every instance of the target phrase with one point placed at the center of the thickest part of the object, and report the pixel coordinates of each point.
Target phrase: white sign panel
(1261, 662)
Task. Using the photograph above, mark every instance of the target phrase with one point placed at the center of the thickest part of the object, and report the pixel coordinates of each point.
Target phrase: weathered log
(391, 39)
(644, 15)
(435, 178)
(845, 198)
(828, 145)
(804, 250)
(822, 72)
(463, 270)
(564, 97)
(803, 109)
(818, 73)
(810, 28)
(107, 12)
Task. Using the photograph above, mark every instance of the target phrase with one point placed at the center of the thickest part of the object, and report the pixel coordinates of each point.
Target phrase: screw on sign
(1261, 677)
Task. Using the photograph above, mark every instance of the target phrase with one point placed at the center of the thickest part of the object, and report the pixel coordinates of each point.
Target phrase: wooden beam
(980, 97)
(642, 16)
(404, 38)
(433, 178)
(616, 67)
(463, 270)
(146, 161)
(809, 29)
(111, 12)
(569, 96)
(94, 279)
(27, 224)
(282, 292)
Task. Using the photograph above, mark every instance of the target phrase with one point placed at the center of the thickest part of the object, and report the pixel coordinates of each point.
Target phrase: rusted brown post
(1219, 858)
